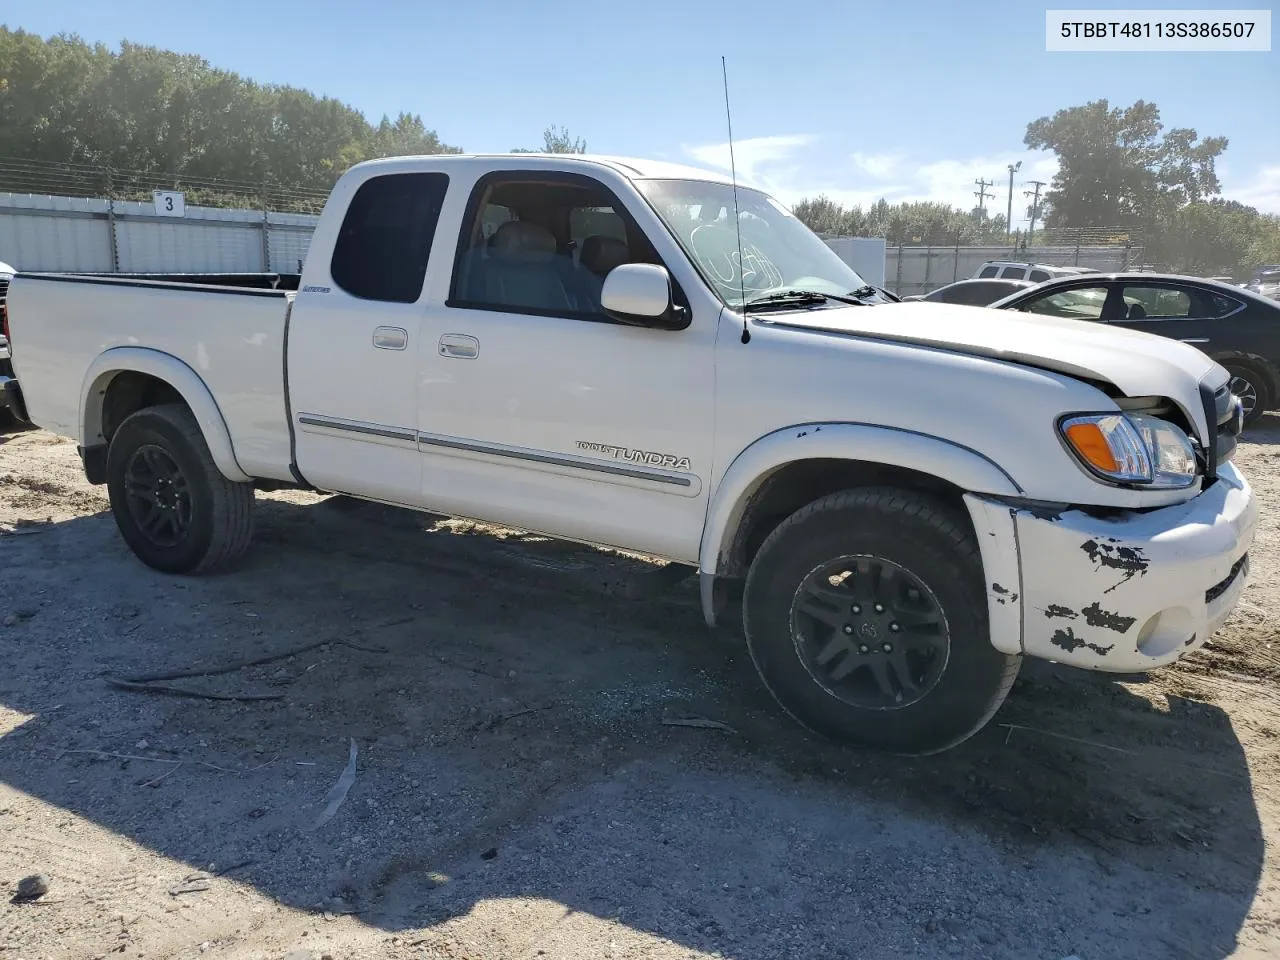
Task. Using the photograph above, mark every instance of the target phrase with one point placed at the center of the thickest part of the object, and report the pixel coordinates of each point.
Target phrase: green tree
(1115, 167)
(921, 222)
(158, 118)
(557, 140)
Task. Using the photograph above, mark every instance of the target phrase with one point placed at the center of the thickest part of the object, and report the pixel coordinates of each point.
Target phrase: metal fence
(911, 270)
(98, 235)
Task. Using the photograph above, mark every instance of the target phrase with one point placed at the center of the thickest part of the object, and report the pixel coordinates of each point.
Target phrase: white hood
(1139, 364)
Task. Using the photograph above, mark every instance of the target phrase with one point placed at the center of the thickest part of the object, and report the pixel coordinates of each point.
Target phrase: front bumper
(1123, 593)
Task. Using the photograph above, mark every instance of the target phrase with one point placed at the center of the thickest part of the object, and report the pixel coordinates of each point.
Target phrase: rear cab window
(988, 272)
(1013, 273)
(1039, 276)
(385, 239)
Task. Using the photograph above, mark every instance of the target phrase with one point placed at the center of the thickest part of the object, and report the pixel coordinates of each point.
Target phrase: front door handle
(390, 338)
(459, 346)
(1195, 340)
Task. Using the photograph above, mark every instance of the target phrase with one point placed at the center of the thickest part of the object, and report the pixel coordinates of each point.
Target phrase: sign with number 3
(170, 203)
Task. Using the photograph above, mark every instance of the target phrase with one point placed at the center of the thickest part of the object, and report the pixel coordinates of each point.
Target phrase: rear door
(354, 337)
(1196, 315)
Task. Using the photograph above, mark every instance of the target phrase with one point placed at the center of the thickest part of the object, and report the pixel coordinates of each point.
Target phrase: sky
(857, 100)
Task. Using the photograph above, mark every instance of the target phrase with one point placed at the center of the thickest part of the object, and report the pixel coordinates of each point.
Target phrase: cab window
(385, 240)
(543, 244)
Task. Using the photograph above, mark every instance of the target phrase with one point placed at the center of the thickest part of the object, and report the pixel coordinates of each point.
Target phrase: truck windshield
(779, 253)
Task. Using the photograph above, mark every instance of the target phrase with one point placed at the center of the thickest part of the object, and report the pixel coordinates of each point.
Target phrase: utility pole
(981, 194)
(1035, 207)
(1008, 217)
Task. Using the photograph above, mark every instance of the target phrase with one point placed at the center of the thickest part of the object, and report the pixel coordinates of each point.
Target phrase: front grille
(1218, 589)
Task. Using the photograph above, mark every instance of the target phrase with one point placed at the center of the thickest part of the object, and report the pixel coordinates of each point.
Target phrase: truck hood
(1138, 364)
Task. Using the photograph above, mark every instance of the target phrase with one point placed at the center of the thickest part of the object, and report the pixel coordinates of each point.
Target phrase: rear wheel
(174, 508)
(1251, 385)
(866, 618)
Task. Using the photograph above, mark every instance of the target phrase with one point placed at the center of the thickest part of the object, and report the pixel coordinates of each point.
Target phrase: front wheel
(866, 618)
(1249, 383)
(174, 508)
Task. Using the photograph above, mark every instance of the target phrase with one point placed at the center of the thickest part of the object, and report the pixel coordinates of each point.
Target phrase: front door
(536, 409)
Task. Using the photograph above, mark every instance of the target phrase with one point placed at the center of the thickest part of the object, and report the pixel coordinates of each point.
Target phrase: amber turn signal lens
(1092, 446)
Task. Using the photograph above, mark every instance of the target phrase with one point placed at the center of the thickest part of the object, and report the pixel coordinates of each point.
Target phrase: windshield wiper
(798, 298)
(864, 292)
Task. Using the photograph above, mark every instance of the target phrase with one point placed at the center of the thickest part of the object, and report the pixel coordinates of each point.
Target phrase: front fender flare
(966, 468)
(176, 373)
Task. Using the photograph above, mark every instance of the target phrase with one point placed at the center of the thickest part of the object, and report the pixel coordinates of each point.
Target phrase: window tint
(1013, 273)
(1039, 276)
(1220, 305)
(970, 294)
(596, 221)
(544, 246)
(1152, 301)
(988, 271)
(494, 216)
(382, 249)
(1084, 303)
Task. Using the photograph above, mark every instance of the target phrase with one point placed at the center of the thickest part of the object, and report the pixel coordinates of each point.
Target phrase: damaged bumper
(1123, 593)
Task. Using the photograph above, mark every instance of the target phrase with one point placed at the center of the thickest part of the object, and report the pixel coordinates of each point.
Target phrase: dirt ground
(519, 790)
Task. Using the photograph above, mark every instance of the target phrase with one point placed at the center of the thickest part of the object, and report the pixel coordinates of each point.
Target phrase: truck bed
(233, 337)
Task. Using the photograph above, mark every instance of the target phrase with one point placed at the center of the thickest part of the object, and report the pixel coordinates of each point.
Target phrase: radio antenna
(737, 220)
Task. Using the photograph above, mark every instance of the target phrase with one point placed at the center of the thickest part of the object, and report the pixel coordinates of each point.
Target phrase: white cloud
(1261, 191)
(882, 166)
(774, 163)
(751, 155)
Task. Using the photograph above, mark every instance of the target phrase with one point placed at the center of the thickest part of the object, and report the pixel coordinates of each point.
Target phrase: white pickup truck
(899, 500)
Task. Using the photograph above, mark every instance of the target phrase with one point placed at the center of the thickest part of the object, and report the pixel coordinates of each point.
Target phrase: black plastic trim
(1209, 402)
(288, 401)
(14, 401)
(95, 463)
(553, 460)
(367, 429)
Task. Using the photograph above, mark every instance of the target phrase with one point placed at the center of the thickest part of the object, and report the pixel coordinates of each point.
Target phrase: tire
(1253, 380)
(184, 515)
(921, 560)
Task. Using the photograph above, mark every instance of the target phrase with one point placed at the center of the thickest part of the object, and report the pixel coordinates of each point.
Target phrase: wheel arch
(784, 470)
(123, 380)
(1267, 367)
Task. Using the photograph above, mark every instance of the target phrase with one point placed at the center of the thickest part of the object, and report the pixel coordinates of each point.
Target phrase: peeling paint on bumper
(1123, 594)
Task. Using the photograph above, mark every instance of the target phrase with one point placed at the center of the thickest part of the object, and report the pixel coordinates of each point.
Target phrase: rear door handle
(459, 346)
(390, 338)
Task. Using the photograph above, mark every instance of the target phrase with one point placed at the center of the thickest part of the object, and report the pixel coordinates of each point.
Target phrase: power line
(981, 194)
(1035, 206)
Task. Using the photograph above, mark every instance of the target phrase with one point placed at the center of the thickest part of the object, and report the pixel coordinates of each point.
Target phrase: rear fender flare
(177, 374)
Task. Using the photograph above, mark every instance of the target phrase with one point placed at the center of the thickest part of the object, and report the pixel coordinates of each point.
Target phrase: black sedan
(974, 293)
(1236, 327)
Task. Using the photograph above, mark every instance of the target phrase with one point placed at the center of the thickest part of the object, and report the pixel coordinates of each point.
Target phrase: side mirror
(639, 294)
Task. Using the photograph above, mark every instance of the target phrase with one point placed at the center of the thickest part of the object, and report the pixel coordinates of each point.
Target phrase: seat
(599, 255)
(523, 270)
(1137, 312)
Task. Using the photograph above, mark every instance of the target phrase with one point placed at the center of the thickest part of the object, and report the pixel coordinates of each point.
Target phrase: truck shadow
(520, 710)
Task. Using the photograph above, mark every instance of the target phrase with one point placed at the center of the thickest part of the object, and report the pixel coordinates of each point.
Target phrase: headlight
(1131, 448)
